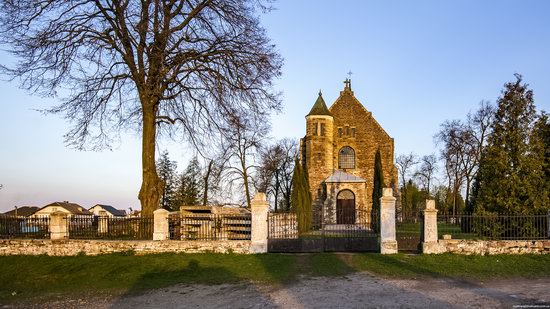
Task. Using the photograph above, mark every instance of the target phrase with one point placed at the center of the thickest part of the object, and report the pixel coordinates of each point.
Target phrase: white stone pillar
(429, 243)
(58, 226)
(103, 222)
(160, 227)
(260, 208)
(388, 243)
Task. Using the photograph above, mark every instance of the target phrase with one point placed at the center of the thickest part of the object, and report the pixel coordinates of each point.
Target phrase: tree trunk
(206, 184)
(151, 186)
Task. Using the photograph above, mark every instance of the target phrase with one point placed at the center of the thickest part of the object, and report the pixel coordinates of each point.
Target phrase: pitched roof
(73, 208)
(22, 211)
(320, 107)
(341, 176)
(113, 211)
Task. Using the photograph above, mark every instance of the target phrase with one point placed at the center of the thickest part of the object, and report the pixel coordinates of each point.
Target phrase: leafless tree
(275, 171)
(427, 170)
(244, 136)
(405, 163)
(462, 146)
(176, 67)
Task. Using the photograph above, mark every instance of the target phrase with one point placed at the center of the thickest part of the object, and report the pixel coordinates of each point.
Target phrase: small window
(352, 132)
(340, 132)
(315, 128)
(347, 131)
(346, 158)
(322, 129)
(318, 156)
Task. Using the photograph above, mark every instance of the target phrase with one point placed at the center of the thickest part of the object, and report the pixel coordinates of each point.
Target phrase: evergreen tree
(378, 181)
(166, 170)
(301, 198)
(189, 189)
(511, 174)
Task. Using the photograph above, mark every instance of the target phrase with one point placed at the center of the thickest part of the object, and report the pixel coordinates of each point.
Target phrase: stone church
(339, 152)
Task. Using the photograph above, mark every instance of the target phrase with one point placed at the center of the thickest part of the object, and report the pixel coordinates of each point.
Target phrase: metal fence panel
(25, 227)
(494, 226)
(121, 228)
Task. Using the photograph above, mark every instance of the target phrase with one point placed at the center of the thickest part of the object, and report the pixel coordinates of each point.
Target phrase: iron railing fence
(120, 228)
(25, 227)
(210, 226)
(355, 224)
(494, 226)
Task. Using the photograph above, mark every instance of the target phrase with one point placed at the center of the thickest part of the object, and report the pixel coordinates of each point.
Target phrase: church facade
(339, 151)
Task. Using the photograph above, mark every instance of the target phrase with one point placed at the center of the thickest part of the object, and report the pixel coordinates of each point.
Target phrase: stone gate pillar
(58, 226)
(388, 243)
(260, 207)
(429, 243)
(160, 227)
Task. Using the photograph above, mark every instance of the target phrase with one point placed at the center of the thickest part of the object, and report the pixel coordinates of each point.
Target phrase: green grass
(43, 276)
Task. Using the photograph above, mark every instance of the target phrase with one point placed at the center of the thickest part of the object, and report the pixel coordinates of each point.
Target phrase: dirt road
(359, 290)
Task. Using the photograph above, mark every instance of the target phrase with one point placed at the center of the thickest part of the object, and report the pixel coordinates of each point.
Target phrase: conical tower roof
(319, 108)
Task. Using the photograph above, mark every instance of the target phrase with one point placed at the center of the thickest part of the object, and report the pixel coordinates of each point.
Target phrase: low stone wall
(95, 247)
(490, 247)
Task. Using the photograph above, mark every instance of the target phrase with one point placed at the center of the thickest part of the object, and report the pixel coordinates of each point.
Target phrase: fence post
(58, 226)
(388, 244)
(259, 209)
(160, 226)
(103, 223)
(429, 243)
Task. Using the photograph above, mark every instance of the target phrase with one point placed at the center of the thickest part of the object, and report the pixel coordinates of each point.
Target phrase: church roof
(341, 176)
(320, 107)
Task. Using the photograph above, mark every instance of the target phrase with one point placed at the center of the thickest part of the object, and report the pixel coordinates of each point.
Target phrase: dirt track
(360, 290)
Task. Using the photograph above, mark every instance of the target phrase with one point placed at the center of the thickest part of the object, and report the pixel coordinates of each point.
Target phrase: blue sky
(414, 64)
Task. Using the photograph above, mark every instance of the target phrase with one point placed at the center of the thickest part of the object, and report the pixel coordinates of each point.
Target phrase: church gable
(348, 111)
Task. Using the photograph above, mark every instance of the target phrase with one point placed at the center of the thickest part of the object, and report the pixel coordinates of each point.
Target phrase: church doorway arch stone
(345, 207)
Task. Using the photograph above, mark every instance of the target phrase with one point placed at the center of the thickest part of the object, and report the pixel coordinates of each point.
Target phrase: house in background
(72, 209)
(23, 211)
(107, 210)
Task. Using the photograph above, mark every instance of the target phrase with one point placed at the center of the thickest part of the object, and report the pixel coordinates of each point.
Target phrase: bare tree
(244, 136)
(275, 171)
(462, 146)
(142, 64)
(426, 171)
(405, 162)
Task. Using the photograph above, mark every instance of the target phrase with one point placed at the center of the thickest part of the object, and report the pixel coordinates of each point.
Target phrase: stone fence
(60, 243)
(432, 245)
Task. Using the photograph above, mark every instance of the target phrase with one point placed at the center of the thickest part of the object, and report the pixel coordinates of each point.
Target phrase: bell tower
(319, 148)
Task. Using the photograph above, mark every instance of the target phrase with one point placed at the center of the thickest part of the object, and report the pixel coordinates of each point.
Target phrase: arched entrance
(345, 207)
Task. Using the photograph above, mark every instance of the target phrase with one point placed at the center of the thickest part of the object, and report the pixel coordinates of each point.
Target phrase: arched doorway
(345, 207)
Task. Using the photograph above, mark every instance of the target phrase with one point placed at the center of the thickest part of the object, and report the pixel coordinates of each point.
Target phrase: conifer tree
(378, 181)
(511, 174)
(166, 170)
(189, 189)
(301, 197)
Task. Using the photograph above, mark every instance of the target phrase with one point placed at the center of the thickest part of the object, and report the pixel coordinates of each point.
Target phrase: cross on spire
(348, 81)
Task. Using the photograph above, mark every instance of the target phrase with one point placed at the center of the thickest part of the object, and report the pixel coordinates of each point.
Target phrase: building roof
(73, 208)
(113, 211)
(22, 211)
(320, 107)
(341, 176)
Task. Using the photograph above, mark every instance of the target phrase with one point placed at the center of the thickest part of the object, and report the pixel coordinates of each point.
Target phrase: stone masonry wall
(370, 136)
(490, 247)
(95, 247)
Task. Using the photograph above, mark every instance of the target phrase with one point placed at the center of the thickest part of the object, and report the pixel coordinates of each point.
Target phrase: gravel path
(359, 290)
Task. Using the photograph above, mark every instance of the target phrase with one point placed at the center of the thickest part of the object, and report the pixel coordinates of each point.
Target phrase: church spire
(320, 107)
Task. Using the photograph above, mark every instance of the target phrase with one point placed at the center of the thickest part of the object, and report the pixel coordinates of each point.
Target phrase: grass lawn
(43, 276)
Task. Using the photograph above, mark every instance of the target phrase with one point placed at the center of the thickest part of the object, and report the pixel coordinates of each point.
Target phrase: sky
(414, 65)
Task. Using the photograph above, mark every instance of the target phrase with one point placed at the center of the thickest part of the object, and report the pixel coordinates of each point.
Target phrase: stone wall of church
(369, 136)
(319, 152)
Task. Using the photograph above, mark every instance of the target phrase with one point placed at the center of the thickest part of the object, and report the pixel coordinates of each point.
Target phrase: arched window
(346, 158)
